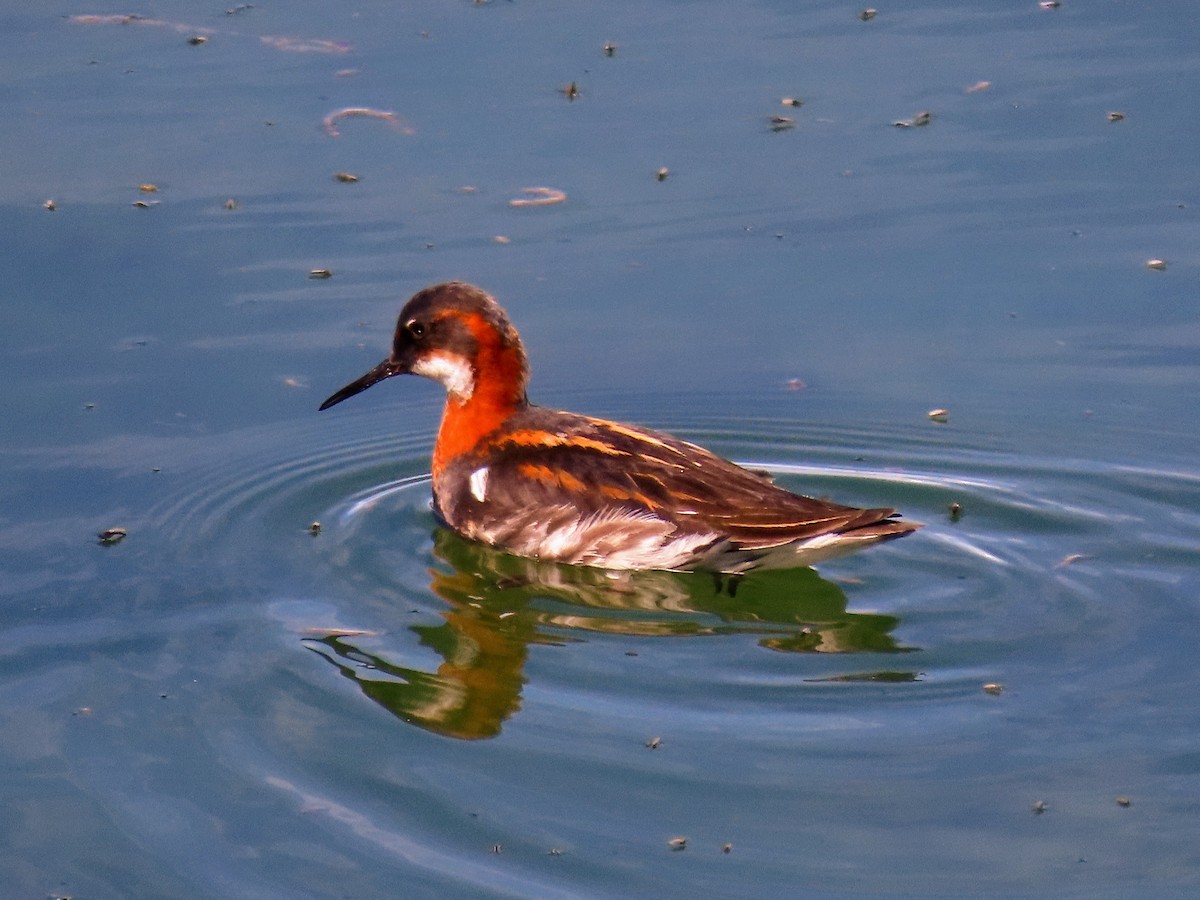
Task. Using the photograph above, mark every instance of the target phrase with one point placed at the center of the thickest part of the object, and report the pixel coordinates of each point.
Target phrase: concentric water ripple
(1021, 530)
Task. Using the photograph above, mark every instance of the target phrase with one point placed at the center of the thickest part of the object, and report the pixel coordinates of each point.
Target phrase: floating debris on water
(662, 174)
(1049, 4)
(1116, 116)
(920, 120)
(1124, 801)
(330, 121)
(112, 20)
(1039, 807)
(571, 91)
(305, 45)
(231, 204)
(502, 239)
(1071, 559)
(110, 536)
(346, 177)
(133, 19)
(50, 205)
(868, 14)
(197, 36)
(791, 101)
(795, 384)
(145, 204)
(234, 10)
(314, 529)
(727, 848)
(977, 87)
(782, 123)
(993, 688)
(1158, 265)
(678, 843)
(539, 196)
(320, 273)
(610, 49)
(654, 743)
(940, 416)
(148, 188)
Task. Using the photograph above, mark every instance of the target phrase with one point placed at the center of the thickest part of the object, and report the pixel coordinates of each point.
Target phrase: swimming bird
(543, 483)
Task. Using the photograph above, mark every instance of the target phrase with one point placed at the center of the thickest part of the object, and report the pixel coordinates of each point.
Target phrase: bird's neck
(498, 393)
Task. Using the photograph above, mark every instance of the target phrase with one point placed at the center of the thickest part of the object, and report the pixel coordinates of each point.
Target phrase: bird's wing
(601, 467)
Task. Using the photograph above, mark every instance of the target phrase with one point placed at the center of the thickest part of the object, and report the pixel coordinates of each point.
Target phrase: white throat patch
(451, 370)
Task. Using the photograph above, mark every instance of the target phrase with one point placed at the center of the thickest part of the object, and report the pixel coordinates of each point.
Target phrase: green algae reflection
(498, 604)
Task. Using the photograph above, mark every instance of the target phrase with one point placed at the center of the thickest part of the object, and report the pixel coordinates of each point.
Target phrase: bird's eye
(416, 329)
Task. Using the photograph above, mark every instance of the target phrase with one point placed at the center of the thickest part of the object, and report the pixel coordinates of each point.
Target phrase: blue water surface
(225, 703)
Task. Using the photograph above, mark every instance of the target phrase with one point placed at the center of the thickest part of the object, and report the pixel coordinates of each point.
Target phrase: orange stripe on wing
(615, 493)
(532, 437)
(634, 433)
(547, 475)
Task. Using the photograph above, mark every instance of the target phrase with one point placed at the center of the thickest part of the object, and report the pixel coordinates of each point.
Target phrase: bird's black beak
(385, 369)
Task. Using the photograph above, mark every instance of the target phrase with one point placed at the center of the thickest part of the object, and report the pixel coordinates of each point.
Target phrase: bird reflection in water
(499, 604)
